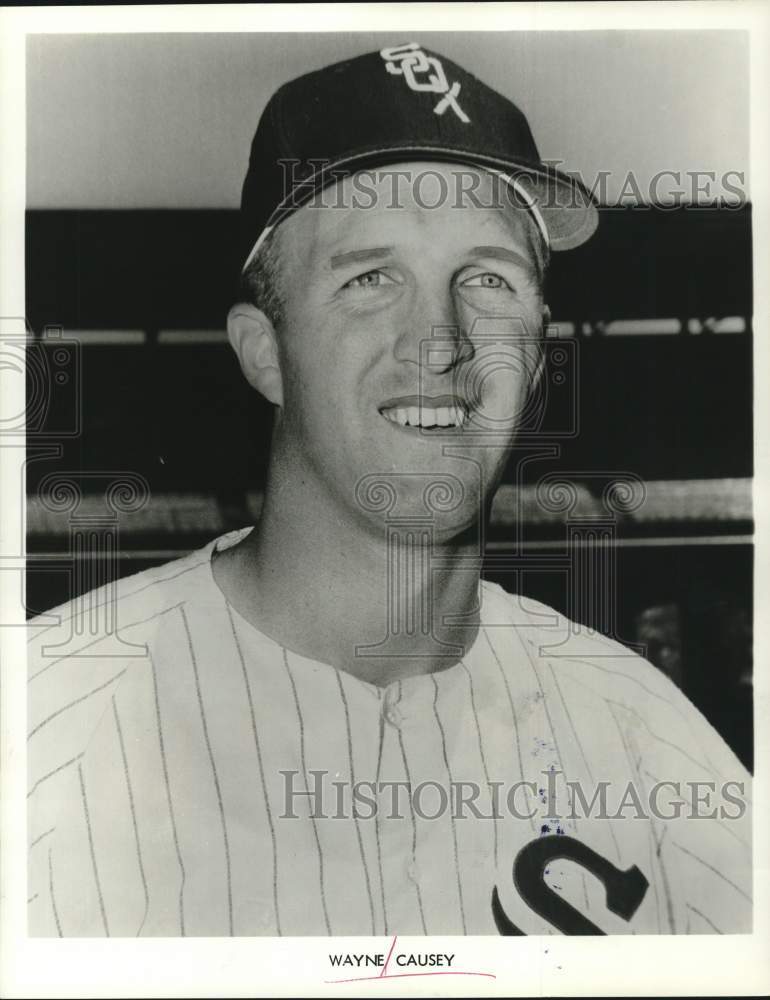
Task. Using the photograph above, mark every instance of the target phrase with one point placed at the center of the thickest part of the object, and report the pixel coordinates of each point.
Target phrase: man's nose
(434, 333)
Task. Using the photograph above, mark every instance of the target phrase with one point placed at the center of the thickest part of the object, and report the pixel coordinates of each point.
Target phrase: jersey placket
(395, 821)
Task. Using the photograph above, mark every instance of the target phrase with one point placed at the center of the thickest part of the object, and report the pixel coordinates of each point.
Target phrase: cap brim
(568, 209)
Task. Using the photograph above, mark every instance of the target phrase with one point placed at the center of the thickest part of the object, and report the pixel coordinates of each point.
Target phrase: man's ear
(253, 339)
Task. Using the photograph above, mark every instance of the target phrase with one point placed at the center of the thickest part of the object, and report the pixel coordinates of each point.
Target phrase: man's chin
(439, 503)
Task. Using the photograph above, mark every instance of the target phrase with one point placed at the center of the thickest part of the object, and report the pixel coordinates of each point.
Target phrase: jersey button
(390, 710)
(393, 716)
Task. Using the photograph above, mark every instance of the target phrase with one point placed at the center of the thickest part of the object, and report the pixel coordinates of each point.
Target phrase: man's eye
(487, 280)
(371, 279)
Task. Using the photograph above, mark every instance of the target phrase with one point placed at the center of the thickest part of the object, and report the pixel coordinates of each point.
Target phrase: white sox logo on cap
(408, 60)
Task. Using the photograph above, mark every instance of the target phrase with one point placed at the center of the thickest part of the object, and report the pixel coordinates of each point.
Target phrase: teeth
(426, 416)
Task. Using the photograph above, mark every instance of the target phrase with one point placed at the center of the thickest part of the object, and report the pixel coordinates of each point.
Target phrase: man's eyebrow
(505, 254)
(360, 256)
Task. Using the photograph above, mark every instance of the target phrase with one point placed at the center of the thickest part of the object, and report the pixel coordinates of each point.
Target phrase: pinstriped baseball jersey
(196, 778)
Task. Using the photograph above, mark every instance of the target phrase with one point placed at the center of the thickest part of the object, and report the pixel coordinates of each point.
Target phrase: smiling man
(327, 723)
(387, 312)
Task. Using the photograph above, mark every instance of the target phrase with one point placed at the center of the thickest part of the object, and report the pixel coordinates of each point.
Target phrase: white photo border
(553, 966)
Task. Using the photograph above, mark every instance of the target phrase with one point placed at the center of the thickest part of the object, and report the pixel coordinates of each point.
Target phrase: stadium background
(136, 151)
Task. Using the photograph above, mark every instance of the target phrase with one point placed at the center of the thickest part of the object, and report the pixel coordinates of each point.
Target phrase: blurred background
(137, 146)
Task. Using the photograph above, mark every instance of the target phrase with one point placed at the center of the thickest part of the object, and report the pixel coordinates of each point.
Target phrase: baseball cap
(402, 103)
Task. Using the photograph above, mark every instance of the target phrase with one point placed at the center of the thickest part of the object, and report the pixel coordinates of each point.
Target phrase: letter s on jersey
(625, 889)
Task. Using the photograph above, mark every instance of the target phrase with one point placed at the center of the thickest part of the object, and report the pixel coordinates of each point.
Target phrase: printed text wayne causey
(402, 959)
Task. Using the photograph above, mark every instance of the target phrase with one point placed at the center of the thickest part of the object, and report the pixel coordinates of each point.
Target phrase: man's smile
(426, 412)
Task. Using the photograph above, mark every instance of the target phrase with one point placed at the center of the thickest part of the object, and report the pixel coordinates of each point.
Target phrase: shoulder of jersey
(596, 669)
(81, 627)
(555, 634)
(83, 653)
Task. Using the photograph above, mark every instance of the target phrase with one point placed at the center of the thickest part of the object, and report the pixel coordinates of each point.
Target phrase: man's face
(409, 337)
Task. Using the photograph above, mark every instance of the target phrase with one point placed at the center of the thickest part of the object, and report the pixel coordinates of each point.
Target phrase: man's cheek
(499, 393)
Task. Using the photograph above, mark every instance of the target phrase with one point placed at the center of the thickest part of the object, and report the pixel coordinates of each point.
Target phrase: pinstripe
(652, 844)
(377, 822)
(38, 839)
(77, 701)
(703, 916)
(213, 768)
(724, 826)
(661, 739)
(124, 628)
(353, 782)
(153, 616)
(93, 853)
(268, 810)
(626, 677)
(122, 597)
(513, 710)
(52, 894)
(579, 745)
(658, 852)
(164, 763)
(571, 722)
(716, 871)
(655, 844)
(414, 828)
(664, 874)
(451, 813)
(660, 697)
(481, 748)
(66, 656)
(127, 776)
(304, 768)
(50, 774)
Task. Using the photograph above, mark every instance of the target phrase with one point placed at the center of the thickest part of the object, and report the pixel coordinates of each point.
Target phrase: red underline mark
(407, 975)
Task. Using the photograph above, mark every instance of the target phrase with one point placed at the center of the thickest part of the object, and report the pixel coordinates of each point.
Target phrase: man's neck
(379, 605)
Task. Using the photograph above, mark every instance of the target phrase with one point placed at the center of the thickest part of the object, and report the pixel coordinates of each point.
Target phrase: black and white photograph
(386, 464)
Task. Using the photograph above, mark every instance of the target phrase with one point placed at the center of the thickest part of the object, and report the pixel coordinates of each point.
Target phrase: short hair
(540, 249)
(260, 281)
(542, 255)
